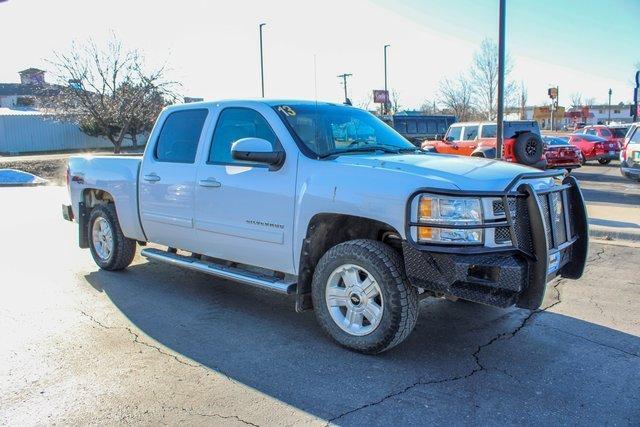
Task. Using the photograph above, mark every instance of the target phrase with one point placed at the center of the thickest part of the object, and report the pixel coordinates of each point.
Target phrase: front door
(244, 211)
(469, 140)
(167, 180)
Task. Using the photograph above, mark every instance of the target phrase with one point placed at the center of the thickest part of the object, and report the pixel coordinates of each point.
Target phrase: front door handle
(209, 182)
(152, 177)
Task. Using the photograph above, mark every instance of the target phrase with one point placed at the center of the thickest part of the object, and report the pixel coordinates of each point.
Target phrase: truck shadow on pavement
(463, 362)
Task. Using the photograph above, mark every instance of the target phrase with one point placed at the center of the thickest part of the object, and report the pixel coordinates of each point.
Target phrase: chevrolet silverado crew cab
(330, 205)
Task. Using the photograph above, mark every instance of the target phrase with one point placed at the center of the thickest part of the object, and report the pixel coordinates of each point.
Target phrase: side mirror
(257, 150)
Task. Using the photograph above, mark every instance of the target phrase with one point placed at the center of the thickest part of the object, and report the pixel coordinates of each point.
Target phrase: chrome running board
(225, 272)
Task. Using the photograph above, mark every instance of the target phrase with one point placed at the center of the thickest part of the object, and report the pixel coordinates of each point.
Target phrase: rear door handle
(152, 177)
(209, 182)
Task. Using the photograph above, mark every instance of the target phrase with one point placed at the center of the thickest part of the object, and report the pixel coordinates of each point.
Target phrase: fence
(37, 133)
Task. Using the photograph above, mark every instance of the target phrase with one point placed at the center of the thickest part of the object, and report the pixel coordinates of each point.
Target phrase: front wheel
(604, 161)
(362, 297)
(110, 249)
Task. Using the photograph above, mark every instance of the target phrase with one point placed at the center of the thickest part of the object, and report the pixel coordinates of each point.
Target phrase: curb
(612, 234)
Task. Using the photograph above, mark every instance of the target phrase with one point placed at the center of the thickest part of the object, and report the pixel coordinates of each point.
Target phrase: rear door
(244, 211)
(167, 179)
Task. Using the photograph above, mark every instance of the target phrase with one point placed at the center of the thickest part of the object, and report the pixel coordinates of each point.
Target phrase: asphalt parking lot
(156, 344)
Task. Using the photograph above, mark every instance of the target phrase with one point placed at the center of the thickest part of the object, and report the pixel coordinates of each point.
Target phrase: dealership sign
(380, 96)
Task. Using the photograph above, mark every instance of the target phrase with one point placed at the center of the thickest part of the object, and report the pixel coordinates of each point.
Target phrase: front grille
(502, 235)
(544, 203)
(553, 214)
(498, 207)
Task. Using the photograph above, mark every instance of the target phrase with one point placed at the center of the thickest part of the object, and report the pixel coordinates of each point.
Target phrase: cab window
(591, 132)
(470, 133)
(179, 136)
(635, 138)
(234, 124)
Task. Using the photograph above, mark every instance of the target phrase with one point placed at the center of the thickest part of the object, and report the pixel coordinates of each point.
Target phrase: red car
(610, 134)
(595, 148)
(560, 154)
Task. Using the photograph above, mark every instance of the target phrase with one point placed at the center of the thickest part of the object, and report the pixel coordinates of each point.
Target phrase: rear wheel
(362, 298)
(528, 148)
(604, 161)
(110, 249)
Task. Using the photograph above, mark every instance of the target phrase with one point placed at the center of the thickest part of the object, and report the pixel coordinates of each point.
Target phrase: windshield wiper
(384, 149)
(415, 150)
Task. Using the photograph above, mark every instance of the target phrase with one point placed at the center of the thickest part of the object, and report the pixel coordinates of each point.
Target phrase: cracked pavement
(156, 344)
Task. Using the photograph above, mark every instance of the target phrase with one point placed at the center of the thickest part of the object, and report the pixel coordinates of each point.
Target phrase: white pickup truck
(329, 204)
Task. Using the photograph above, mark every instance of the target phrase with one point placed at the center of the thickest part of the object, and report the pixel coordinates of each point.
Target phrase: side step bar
(222, 271)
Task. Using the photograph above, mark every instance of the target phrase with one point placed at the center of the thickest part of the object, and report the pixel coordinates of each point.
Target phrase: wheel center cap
(355, 299)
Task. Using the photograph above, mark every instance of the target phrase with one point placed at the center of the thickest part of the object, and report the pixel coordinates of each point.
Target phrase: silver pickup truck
(330, 205)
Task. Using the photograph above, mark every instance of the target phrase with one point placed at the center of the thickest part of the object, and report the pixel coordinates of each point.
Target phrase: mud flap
(83, 218)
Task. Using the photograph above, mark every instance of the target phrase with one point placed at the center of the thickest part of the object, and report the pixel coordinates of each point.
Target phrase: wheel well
(327, 230)
(92, 197)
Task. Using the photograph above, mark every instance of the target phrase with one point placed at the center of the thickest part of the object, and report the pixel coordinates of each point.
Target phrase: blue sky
(600, 36)
(585, 46)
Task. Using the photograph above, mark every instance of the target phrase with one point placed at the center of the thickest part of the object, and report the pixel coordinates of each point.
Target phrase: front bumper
(544, 243)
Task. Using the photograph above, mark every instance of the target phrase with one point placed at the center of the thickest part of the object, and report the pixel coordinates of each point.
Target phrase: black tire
(604, 161)
(124, 249)
(399, 298)
(528, 148)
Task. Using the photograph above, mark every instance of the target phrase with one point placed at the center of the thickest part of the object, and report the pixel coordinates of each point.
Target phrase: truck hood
(461, 172)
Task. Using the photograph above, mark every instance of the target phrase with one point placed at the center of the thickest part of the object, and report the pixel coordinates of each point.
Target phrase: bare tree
(394, 96)
(484, 78)
(576, 99)
(523, 100)
(590, 101)
(109, 93)
(429, 107)
(364, 103)
(456, 96)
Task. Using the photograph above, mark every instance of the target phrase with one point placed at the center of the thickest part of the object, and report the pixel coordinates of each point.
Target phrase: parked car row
(524, 144)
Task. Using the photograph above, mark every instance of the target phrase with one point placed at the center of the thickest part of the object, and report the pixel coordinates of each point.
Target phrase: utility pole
(501, 65)
(386, 104)
(344, 83)
(609, 122)
(261, 60)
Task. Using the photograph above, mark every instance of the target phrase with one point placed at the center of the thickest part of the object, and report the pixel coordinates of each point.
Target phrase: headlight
(450, 212)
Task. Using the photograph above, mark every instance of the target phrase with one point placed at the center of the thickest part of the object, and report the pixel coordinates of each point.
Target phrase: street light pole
(261, 60)
(344, 83)
(610, 91)
(501, 65)
(385, 79)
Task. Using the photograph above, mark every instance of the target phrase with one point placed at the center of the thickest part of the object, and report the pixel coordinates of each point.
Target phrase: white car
(330, 204)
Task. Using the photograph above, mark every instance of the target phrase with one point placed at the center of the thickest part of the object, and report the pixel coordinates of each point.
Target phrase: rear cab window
(179, 136)
(605, 132)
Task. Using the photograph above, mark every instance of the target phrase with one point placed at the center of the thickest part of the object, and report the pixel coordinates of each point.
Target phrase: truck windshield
(334, 129)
